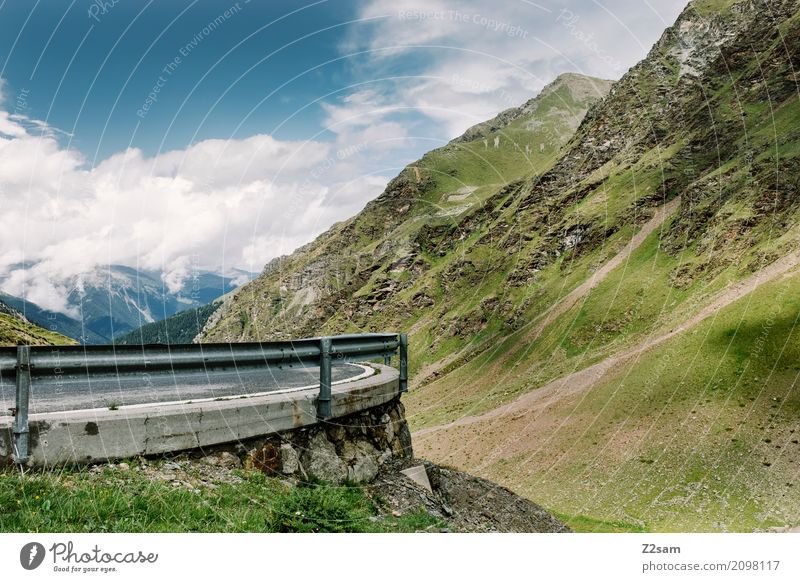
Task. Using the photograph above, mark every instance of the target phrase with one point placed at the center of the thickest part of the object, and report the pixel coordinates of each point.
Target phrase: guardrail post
(23, 401)
(324, 400)
(403, 362)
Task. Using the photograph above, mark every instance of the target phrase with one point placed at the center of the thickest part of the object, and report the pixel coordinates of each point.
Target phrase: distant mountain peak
(109, 300)
(577, 90)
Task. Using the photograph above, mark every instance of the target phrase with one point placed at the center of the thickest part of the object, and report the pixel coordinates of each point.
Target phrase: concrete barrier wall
(99, 435)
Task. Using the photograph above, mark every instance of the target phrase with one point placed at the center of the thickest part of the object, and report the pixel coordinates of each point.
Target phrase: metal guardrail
(24, 364)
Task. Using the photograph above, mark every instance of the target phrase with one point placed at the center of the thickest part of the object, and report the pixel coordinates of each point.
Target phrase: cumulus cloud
(9, 127)
(221, 204)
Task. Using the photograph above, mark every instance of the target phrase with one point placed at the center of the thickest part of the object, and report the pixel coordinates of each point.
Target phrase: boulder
(364, 466)
(320, 460)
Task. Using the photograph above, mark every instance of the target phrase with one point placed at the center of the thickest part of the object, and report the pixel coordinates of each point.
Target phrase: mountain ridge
(438, 191)
(584, 85)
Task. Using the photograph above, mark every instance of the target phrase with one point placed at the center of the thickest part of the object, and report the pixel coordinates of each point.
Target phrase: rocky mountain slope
(616, 316)
(389, 261)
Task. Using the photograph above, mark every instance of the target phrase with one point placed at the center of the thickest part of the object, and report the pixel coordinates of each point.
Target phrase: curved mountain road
(78, 392)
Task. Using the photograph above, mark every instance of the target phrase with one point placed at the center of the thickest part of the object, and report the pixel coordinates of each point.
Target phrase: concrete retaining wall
(99, 435)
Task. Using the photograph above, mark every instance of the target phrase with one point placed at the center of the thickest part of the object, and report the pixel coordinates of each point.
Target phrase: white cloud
(233, 203)
(366, 124)
(357, 109)
(10, 128)
(474, 59)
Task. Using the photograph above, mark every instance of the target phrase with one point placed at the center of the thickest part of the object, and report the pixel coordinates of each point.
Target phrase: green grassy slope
(131, 501)
(701, 434)
(712, 412)
(710, 116)
(698, 433)
(15, 330)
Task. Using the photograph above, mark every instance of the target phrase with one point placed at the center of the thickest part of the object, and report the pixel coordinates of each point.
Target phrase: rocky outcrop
(464, 502)
(11, 312)
(352, 448)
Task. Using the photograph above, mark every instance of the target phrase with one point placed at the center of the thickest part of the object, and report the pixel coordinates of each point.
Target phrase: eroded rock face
(351, 448)
(265, 458)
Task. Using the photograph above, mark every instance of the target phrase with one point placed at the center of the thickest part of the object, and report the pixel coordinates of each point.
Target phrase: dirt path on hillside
(581, 380)
(563, 305)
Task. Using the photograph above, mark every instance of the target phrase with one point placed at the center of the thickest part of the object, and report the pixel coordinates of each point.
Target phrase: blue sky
(98, 68)
(173, 133)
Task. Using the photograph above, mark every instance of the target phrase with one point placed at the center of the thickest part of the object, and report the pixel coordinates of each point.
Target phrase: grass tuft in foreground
(127, 501)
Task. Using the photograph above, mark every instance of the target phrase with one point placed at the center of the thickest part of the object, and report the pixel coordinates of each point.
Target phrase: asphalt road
(78, 393)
